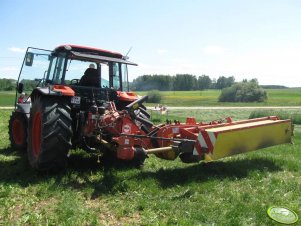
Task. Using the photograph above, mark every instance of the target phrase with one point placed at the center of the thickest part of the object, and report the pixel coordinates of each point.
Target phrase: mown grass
(293, 114)
(201, 115)
(233, 191)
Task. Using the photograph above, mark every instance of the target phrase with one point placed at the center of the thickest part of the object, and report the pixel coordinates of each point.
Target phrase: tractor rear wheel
(17, 131)
(49, 134)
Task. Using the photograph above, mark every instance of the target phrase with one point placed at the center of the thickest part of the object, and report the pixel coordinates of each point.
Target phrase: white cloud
(8, 69)
(162, 51)
(17, 50)
(213, 50)
(9, 72)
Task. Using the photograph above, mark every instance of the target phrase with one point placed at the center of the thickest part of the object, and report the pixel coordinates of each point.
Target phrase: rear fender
(63, 90)
(56, 90)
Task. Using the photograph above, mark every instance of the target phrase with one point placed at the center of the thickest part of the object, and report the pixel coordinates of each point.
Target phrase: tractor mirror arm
(20, 87)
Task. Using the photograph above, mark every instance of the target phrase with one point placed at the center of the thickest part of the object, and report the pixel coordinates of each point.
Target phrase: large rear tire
(17, 131)
(49, 134)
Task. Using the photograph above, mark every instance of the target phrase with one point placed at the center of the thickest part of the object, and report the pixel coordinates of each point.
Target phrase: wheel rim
(18, 132)
(36, 134)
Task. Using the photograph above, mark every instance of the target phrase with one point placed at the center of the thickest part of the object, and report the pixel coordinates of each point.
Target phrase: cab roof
(87, 50)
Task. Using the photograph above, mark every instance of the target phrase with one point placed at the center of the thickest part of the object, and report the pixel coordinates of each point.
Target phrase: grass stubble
(234, 191)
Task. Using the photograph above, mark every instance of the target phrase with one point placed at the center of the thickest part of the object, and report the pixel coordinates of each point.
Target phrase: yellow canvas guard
(244, 137)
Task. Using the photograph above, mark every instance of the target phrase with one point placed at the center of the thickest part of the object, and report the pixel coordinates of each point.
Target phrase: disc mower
(78, 97)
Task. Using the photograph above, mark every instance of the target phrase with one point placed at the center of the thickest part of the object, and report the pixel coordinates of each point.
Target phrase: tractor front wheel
(49, 134)
(17, 131)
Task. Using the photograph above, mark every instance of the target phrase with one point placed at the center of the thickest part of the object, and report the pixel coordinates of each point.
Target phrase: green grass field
(203, 115)
(7, 98)
(233, 191)
(276, 97)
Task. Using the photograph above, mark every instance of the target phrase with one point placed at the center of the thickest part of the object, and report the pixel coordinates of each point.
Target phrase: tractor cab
(85, 66)
(88, 72)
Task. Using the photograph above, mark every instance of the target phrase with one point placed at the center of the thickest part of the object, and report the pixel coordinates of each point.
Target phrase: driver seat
(90, 78)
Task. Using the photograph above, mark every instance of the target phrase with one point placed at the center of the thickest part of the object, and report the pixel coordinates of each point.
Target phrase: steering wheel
(74, 81)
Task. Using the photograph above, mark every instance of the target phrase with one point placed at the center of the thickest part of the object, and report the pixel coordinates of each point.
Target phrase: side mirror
(20, 87)
(29, 59)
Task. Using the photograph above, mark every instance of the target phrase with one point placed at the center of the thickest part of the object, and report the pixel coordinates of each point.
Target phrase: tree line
(10, 84)
(7, 84)
(180, 82)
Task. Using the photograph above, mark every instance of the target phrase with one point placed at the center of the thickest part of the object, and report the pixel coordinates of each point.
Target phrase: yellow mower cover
(244, 136)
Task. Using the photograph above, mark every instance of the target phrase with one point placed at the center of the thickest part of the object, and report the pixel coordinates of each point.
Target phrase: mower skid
(242, 136)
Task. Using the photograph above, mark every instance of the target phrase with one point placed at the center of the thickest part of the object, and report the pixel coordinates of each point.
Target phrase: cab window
(56, 69)
(116, 75)
(105, 78)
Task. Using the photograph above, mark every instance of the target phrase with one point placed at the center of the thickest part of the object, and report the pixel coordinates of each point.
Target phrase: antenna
(126, 55)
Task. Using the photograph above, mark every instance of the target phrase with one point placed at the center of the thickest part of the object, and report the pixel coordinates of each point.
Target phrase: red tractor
(79, 97)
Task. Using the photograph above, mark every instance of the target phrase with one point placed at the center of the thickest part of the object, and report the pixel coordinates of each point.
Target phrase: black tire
(49, 133)
(139, 157)
(17, 130)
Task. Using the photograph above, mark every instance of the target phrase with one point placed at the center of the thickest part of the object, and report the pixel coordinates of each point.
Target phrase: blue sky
(245, 39)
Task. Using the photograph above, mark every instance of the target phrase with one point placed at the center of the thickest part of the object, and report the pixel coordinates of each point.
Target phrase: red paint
(18, 132)
(191, 121)
(87, 48)
(64, 90)
(127, 96)
(36, 134)
(125, 150)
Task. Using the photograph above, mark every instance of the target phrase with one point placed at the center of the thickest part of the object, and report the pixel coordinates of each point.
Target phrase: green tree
(185, 82)
(223, 82)
(7, 84)
(246, 91)
(204, 82)
(151, 82)
(154, 96)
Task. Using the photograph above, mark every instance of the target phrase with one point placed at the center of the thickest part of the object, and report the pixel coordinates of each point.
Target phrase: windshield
(77, 70)
(86, 72)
